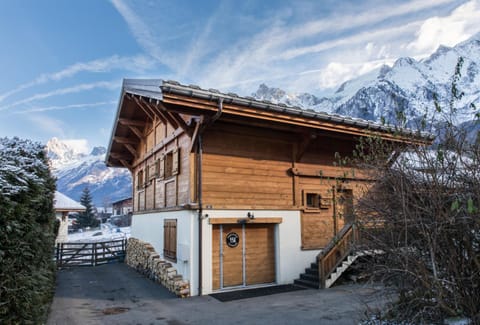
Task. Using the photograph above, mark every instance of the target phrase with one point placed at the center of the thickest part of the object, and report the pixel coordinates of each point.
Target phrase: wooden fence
(90, 254)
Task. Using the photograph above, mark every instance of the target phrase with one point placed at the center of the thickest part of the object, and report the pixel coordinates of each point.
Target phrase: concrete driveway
(116, 294)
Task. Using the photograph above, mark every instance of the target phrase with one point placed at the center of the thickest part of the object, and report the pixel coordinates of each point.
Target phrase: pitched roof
(64, 203)
(141, 98)
(154, 88)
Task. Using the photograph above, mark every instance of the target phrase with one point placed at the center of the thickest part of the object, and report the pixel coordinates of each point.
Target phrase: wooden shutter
(152, 172)
(140, 179)
(161, 167)
(170, 239)
(146, 178)
(175, 161)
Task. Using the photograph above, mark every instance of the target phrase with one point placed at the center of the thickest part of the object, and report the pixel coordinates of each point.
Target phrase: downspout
(199, 190)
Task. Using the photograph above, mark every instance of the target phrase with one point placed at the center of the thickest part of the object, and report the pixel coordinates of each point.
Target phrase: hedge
(27, 272)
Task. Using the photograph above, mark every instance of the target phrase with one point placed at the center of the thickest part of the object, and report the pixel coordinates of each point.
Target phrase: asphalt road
(116, 294)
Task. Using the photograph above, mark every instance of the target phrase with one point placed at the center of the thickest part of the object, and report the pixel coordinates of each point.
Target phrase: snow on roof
(64, 203)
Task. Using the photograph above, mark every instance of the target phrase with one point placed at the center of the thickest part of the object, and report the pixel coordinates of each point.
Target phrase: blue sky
(62, 62)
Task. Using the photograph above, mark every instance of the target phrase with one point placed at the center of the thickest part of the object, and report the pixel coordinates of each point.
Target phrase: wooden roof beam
(119, 156)
(125, 163)
(123, 140)
(128, 122)
(145, 108)
(136, 131)
(162, 112)
(131, 149)
(302, 146)
(181, 122)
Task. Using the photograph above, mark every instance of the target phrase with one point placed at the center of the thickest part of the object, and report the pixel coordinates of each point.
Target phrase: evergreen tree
(87, 217)
(26, 232)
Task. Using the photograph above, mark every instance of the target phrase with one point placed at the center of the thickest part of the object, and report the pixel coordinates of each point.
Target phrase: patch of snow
(107, 232)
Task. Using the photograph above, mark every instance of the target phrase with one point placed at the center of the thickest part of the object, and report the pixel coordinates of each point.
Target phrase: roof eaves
(213, 94)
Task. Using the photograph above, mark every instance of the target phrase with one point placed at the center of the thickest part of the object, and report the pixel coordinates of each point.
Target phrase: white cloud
(286, 50)
(65, 107)
(133, 63)
(63, 91)
(461, 24)
(78, 145)
(51, 126)
(143, 34)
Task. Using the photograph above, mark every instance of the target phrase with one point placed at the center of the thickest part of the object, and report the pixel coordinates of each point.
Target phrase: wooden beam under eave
(144, 108)
(126, 164)
(181, 122)
(119, 157)
(131, 149)
(123, 140)
(128, 122)
(302, 146)
(162, 111)
(136, 131)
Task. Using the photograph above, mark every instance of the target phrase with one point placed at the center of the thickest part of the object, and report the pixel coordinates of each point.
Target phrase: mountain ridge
(408, 86)
(76, 170)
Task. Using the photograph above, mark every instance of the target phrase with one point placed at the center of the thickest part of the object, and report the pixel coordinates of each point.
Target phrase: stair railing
(335, 253)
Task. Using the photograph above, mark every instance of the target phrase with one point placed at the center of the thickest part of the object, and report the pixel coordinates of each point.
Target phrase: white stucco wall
(63, 228)
(149, 228)
(291, 261)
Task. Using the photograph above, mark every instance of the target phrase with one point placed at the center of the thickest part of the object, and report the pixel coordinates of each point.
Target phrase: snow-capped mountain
(76, 170)
(409, 87)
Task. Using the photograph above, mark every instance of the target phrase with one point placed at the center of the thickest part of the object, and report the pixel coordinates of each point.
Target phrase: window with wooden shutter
(161, 167)
(175, 161)
(170, 239)
(152, 172)
(140, 182)
(146, 177)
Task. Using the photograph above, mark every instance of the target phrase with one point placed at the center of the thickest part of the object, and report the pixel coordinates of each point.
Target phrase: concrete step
(309, 277)
(307, 283)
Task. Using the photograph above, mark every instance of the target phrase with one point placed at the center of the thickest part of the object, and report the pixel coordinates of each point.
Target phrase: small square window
(312, 200)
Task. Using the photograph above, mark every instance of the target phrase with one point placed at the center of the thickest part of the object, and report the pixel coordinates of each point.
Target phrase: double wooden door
(243, 254)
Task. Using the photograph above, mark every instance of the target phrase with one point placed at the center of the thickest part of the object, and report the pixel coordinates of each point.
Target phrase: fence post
(57, 254)
(94, 254)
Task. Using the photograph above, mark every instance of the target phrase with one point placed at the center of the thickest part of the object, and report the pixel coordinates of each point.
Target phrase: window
(170, 239)
(140, 182)
(169, 164)
(313, 200)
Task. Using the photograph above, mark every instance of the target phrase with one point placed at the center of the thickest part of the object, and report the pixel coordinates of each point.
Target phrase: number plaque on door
(232, 239)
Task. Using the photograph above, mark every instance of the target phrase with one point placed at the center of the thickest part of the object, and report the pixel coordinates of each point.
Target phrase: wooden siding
(244, 171)
(161, 189)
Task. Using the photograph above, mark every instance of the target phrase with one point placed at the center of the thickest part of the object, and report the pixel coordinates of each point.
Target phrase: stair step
(309, 277)
(307, 283)
(311, 271)
(314, 266)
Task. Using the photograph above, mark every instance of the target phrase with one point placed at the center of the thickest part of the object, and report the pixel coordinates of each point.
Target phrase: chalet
(122, 207)
(233, 191)
(63, 205)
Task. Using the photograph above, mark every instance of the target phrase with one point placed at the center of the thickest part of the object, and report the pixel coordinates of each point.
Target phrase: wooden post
(58, 255)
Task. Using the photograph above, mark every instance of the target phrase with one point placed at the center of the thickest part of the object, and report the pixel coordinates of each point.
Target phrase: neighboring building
(63, 205)
(122, 207)
(233, 191)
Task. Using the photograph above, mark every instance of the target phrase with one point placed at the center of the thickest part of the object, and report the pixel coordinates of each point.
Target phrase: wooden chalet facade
(233, 191)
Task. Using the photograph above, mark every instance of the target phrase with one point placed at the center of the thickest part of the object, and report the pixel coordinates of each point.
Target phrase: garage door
(243, 254)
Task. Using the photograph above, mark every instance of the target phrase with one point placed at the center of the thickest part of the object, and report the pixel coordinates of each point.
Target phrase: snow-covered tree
(26, 232)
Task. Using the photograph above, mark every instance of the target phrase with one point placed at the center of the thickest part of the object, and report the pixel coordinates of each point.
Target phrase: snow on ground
(106, 232)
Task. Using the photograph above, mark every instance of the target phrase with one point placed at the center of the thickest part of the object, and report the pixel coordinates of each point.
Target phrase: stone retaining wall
(142, 256)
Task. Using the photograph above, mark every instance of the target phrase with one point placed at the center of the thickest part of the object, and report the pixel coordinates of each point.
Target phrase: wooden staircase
(334, 259)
